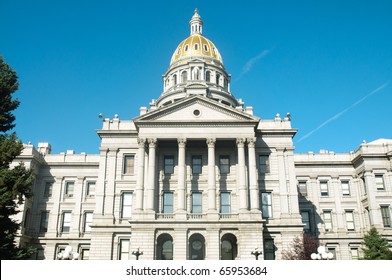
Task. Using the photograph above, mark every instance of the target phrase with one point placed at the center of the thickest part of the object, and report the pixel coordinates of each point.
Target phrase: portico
(242, 173)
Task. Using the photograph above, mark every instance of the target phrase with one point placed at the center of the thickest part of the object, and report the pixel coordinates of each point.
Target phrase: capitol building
(197, 176)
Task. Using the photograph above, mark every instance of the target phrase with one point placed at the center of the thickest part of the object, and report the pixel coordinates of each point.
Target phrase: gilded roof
(196, 45)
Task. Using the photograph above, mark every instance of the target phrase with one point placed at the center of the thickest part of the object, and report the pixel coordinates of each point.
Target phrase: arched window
(196, 46)
(217, 78)
(208, 76)
(174, 79)
(228, 247)
(164, 247)
(196, 73)
(206, 48)
(196, 247)
(184, 76)
(186, 48)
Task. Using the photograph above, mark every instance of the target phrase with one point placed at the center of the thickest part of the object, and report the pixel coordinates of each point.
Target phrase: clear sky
(328, 63)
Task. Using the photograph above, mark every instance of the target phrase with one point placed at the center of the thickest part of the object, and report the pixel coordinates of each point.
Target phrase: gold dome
(196, 45)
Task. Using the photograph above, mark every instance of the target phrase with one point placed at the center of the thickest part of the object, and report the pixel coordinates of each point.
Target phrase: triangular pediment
(196, 109)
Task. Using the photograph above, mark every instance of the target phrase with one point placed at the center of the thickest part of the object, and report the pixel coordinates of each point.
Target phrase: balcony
(164, 216)
(228, 216)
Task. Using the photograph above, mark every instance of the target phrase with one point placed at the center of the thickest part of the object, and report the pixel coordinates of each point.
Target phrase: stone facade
(198, 176)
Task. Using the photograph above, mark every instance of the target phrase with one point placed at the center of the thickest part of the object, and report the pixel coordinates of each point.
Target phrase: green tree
(302, 248)
(375, 246)
(15, 182)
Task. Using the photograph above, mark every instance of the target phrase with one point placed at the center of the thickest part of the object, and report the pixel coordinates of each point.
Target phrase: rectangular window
(169, 164)
(43, 225)
(306, 220)
(264, 164)
(69, 189)
(224, 164)
(48, 189)
(350, 220)
(302, 188)
(129, 164)
(327, 220)
(66, 222)
(124, 249)
(167, 203)
(266, 205)
(269, 249)
(333, 251)
(126, 204)
(324, 188)
(85, 254)
(90, 191)
(88, 219)
(363, 185)
(225, 203)
(196, 164)
(379, 182)
(354, 253)
(197, 202)
(345, 188)
(386, 215)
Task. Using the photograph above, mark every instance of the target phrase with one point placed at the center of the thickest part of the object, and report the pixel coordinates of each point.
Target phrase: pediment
(196, 109)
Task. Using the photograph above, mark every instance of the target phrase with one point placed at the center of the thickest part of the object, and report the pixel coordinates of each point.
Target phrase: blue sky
(328, 63)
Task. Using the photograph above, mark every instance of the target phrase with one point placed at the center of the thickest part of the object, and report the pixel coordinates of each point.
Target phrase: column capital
(240, 142)
(251, 142)
(141, 141)
(211, 142)
(181, 142)
(152, 142)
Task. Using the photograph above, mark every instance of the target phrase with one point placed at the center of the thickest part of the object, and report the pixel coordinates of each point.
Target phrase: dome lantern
(196, 23)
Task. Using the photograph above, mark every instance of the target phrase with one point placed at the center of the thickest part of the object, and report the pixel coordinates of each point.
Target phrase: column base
(212, 215)
(144, 215)
(103, 219)
(181, 215)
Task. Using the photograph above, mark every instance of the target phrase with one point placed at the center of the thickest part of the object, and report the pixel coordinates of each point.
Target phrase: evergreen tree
(15, 183)
(375, 246)
(302, 248)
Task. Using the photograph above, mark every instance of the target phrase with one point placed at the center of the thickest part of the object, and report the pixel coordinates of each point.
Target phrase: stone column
(283, 191)
(243, 190)
(181, 175)
(254, 190)
(110, 183)
(140, 175)
(211, 175)
(151, 174)
(371, 191)
(340, 213)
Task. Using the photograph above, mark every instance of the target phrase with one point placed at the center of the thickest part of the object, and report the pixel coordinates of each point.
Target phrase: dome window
(196, 46)
(206, 48)
(208, 76)
(178, 51)
(218, 79)
(186, 48)
(174, 79)
(184, 76)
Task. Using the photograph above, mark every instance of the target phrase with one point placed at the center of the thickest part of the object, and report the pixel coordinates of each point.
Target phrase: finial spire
(196, 23)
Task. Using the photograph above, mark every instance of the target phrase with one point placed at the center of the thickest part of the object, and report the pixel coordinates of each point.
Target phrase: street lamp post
(321, 254)
(256, 252)
(67, 254)
(137, 253)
